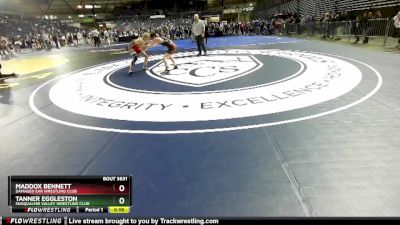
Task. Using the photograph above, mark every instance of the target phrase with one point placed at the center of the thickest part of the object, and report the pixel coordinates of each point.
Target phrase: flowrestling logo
(89, 99)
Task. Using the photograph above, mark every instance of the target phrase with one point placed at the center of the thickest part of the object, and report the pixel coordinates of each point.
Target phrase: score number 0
(121, 188)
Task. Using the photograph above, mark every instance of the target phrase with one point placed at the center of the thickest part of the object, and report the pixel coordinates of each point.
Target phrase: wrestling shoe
(166, 72)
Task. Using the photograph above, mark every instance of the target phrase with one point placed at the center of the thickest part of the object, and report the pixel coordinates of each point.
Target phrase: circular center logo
(202, 71)
(322, 84)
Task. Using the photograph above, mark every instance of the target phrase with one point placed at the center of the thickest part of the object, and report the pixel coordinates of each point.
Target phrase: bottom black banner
(202, 221)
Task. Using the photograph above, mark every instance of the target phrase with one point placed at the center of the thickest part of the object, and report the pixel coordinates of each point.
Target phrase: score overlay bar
(68, 191)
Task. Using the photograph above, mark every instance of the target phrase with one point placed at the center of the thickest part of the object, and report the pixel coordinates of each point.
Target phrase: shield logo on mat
(206, 70)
